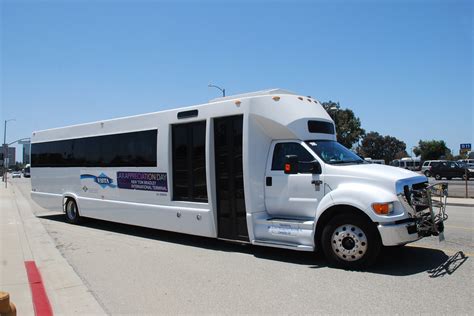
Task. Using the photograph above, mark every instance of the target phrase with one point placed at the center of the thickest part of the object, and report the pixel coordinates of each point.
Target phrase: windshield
(333, 153)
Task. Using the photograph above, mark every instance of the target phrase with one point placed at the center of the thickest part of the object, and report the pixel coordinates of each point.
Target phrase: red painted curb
(40, 298)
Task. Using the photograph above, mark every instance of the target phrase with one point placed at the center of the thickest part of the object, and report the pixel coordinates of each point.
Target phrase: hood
(380, 175)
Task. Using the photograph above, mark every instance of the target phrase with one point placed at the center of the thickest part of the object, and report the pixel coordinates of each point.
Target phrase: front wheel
(437, 176)
(72, 212)
(350, 242)
(427, 174)
(465, 177)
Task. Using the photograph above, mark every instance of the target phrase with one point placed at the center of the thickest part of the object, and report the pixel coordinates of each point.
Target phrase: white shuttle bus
(262, 168)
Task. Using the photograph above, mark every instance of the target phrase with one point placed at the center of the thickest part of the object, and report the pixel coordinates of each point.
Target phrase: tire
(359, 247)
(427, 174)
(72, 212)
(437, 176)
(465, 177)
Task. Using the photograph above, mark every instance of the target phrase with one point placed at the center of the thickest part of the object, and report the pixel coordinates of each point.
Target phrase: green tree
(348, 126)
(377, 146)
(432, 150)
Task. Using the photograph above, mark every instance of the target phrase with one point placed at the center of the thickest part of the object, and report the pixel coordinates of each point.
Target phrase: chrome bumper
(397, 234)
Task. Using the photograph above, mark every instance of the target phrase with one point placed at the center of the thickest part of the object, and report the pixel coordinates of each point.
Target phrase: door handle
(268, 181)
(317, 182)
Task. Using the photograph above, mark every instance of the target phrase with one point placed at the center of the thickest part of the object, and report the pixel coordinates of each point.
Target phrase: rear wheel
(465, 177)
(427, 173)
(437, 176)
(72, 212)
(350, 242)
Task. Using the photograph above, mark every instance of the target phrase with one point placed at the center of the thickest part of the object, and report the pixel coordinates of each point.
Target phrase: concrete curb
(67, 292)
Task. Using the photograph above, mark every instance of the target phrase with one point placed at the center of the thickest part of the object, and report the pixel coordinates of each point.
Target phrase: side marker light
(382, 208)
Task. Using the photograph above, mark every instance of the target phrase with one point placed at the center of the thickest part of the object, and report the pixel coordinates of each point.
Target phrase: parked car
(468, 161)
(426, 167)
(16, 174)
(451, 169)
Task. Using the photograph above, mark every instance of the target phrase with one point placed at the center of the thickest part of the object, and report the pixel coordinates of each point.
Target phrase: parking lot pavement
(26, 245)
(133, 270)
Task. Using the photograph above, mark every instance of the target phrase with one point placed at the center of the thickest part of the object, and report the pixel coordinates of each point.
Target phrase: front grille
(416, 193)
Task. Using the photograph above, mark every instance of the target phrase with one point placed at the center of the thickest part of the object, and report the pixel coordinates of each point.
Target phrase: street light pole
(5, 151)
(217, 87)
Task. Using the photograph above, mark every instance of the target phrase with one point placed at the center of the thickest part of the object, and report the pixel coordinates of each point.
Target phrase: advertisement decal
(146, 181)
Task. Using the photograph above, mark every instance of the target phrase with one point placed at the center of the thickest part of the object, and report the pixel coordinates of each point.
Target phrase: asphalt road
(133, 270)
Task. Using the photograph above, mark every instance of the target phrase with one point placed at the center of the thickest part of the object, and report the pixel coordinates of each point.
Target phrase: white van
(262, 168)
(426, 167)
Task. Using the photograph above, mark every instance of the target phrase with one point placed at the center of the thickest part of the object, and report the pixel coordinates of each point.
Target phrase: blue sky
(404, 67)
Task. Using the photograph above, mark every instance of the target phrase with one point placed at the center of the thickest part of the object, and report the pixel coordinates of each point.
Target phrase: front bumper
(426, 208)
(398, 234)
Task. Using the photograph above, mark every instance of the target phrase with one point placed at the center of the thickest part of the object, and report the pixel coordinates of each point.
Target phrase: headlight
(383, 208)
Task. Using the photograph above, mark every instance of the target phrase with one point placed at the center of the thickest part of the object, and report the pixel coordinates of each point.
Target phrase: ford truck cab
(320, 195)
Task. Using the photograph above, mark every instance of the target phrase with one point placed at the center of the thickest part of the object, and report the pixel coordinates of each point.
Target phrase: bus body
(413, 164)
(263, 168)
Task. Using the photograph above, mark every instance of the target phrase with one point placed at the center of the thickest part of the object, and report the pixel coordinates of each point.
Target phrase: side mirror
(316, 168)
(291, 164)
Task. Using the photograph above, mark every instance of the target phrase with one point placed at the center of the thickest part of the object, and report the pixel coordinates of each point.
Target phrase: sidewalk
(23, 238)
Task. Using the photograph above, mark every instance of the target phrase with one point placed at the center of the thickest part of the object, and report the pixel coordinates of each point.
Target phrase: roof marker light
(301, 98)
(238, 102)
(275, 98)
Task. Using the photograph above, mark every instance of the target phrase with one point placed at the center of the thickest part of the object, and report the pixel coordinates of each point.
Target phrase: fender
(361, 196)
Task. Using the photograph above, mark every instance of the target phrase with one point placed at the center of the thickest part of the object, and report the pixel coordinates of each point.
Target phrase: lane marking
(40, 298)
(451, 251)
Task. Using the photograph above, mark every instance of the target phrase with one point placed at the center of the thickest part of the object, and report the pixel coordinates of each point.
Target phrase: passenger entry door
(292, 195)
(231, 211)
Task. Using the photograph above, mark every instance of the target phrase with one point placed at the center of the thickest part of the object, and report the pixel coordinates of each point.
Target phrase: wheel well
(330, 213)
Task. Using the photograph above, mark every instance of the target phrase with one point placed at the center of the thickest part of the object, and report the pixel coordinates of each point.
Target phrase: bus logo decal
(103, 180)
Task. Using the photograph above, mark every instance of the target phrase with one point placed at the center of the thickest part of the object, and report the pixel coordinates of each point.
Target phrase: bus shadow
(395, 261)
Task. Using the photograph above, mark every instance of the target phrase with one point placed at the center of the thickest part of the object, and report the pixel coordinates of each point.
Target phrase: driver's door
(291, 195)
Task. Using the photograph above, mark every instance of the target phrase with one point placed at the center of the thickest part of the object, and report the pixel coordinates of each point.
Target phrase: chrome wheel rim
(349, 242)
(71, 210)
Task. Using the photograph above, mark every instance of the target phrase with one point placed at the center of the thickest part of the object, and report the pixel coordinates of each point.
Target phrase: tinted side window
(283, 149)
(189, 162)
(320, 127)
(136, 149)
